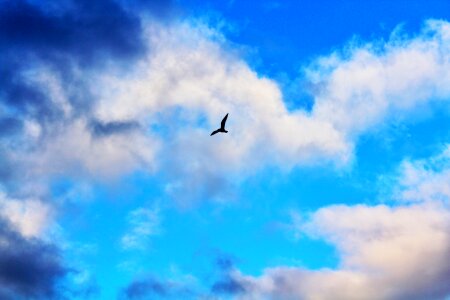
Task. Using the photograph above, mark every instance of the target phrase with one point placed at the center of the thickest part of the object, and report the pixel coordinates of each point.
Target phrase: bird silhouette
(222, 126)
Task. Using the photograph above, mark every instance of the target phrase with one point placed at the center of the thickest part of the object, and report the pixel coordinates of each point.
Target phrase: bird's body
(222, 126)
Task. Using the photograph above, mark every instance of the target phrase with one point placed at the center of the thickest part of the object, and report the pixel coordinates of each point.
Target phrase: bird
(222, 126)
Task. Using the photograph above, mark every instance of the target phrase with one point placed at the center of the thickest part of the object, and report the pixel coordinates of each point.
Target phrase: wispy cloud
(143, 224)
(219, 284)
(425, 180)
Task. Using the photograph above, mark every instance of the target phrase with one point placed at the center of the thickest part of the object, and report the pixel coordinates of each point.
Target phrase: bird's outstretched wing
(215, 131)
(222, 124)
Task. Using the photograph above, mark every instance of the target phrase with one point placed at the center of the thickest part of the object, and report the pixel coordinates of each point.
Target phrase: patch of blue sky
(293, 32)
(99, 222)
(251, 230)
(381, 150)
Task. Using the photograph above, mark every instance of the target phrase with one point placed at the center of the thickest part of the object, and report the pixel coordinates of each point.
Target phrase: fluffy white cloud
(189, 68)
(398, 252)
(369, 83)
(177, 93)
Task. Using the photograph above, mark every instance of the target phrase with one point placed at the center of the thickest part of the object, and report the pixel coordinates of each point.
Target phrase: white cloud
(373, 82)
(386, 253)
(42, 76)
(398, 252)
(426, 180)
(191, 77)
(191, 69)
(143, 223)
(31, 217)
(76, 150)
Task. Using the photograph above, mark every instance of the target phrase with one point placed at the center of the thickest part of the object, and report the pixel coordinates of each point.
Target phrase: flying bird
(222, 126)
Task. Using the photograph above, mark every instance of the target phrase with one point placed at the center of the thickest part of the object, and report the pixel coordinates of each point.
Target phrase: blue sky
(333, 181)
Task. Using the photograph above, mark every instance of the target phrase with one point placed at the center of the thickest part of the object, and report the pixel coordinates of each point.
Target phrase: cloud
(224, 262)
(105, 129)
(32, 34)
(227, 286)
(184, 87)
(140, 94)
(130, 124)
(192, 78)
(30, 217)
(219, 282)
(153, 288)
(58, 28)
(29, 267)
(225, 283)
(75, 151)
(84, 119)
(143, 223)
(363, 85)
(384, 256)
(426, 180)
(45, 97)
(189, 69)
(103, 120)
(386, 252)
(140, 288)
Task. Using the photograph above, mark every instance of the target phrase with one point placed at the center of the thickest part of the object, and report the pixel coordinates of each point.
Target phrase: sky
(333, 181)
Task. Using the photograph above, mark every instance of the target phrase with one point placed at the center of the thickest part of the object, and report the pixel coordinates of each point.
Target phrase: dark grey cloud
(29, 268)
(99, 128)
(81, 34)
(85, 30)
(154, 288)
(142, 288)
(71, 40)
(225, 262)
(64, 36)
(218, 282)
(227, 286)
